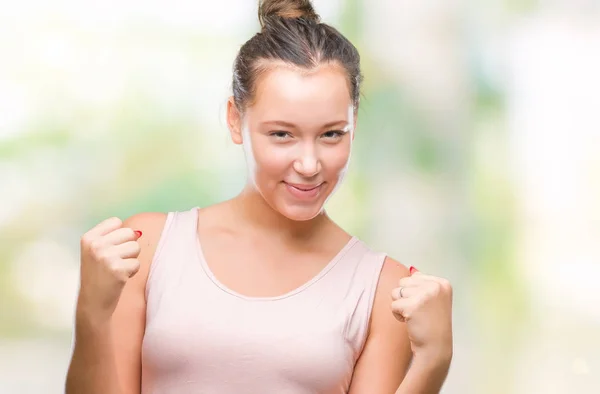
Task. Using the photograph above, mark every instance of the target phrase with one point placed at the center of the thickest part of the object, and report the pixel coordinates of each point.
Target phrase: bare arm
(425, 376)
(107, 353)
(383, 367)
(386, 356)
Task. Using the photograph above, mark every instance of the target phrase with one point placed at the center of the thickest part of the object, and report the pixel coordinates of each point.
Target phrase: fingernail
(413, 270)
(138, 233)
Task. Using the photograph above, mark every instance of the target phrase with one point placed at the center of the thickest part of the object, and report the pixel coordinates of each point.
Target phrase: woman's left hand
(424, 302)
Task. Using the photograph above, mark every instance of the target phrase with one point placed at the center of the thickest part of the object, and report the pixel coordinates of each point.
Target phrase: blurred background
(477, 158)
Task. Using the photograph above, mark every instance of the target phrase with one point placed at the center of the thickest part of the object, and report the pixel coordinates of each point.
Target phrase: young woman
(263, 293)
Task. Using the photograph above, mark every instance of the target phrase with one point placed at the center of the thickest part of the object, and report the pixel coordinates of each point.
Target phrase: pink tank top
(204, 338)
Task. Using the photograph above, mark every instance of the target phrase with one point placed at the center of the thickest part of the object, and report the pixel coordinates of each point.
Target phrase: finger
(131, 266)
(127, 250)
(430, 278)
(415, 273)
(403, 308)
(418, 276)
(405, 292)
(399, 317)
(410, 281)
(120, 236)
(104, 227)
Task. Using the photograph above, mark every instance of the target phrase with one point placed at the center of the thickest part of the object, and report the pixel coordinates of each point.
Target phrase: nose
(308, 164)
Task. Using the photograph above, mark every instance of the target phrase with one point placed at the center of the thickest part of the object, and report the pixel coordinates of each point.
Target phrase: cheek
(337, 159)
(271, 159)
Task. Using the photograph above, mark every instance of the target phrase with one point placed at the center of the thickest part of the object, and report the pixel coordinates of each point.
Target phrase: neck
(252, 209)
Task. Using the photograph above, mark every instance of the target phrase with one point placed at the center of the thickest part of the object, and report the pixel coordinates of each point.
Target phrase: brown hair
(293, 34)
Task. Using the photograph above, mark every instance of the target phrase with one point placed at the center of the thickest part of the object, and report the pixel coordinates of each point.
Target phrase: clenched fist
(424, 302)
(109, 255)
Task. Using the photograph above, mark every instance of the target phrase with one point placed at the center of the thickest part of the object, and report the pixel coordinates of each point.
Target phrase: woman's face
(297, 136)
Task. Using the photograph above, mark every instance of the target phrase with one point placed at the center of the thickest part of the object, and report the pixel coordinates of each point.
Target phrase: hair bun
(290, 9)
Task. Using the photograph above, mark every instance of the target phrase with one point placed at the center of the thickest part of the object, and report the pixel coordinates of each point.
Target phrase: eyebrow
(291, 125)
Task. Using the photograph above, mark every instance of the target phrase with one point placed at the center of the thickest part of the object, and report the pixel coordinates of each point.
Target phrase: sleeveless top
(204, 338)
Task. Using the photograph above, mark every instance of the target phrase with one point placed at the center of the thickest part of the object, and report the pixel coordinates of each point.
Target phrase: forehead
(301, 96)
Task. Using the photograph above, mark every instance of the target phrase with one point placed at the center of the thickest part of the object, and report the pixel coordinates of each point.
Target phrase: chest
(257, 267)
(276, 344)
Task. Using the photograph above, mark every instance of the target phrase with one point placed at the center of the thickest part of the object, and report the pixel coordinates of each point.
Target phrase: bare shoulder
(385, 358)
(151, 224)
(391, 273)
(383, 323)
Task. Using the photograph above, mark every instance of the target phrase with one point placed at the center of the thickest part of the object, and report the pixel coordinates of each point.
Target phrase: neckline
(302, 287)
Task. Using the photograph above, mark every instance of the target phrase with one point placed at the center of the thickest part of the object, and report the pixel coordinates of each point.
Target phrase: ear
(354, 124)
(234, 121)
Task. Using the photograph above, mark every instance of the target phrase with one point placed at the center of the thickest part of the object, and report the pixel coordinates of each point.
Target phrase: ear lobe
(234, 122)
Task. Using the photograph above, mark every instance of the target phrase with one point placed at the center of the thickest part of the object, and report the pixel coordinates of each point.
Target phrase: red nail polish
(138, 233)
(413, 270)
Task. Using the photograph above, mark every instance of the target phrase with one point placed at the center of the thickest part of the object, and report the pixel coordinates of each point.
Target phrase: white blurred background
(477, 158)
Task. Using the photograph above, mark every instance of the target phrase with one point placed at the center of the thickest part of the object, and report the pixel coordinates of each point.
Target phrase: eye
(333, 134)
(280, 135)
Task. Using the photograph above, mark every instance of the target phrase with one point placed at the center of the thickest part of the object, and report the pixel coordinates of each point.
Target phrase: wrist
(90, 320)
(427, 372)
(433, 359)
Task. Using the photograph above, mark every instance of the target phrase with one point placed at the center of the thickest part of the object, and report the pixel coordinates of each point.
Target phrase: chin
(299, 213)
(294, 208)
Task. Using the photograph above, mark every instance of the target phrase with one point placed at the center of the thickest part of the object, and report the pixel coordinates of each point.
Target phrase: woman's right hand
(109, 257)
